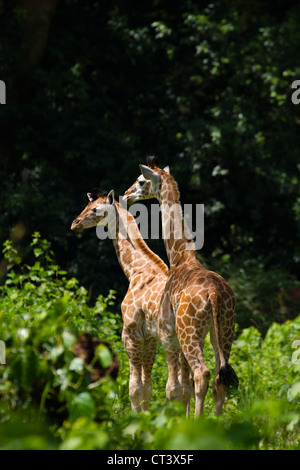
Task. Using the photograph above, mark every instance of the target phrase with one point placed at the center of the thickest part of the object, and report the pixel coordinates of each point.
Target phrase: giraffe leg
(186, 383)
(134, 351)
(219, 392)
(218, 389)
(191, 340)
(194, 354)
(135, 386)
(201, 379)
(227, 328)
(173, 387)
(148, 361)
(169, 341)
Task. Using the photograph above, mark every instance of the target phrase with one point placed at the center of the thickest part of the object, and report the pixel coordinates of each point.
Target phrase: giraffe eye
(94, 210)
(142, 183)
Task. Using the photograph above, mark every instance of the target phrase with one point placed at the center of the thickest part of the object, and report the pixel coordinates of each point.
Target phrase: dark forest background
(93, 87)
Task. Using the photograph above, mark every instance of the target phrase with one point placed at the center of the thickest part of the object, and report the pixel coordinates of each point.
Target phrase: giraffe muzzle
(128, 199)
(76, 226)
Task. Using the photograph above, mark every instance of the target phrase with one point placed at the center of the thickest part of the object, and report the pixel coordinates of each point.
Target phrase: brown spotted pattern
(147, 275)
(199, 300)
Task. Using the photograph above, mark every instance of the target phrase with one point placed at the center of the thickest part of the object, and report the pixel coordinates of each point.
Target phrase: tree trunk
(35, 24)
(36, 27)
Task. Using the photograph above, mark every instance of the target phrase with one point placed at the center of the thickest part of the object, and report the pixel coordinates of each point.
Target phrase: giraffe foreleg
(136, 386)
(134, 351)
(148, 361)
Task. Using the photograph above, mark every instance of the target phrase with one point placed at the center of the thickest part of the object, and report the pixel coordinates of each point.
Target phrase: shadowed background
(95, 87)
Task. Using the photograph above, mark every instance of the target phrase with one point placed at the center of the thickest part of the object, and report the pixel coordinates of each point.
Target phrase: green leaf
(82, 405)
(294, 391)
(55, 352)
(68, 339)
(104, 355)
(77, 364)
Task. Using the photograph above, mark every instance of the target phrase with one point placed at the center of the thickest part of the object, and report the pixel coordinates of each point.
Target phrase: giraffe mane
(172, 185)
(154, 258)
(175, 194)
(97, 192)
(153, 161)
(140, 243)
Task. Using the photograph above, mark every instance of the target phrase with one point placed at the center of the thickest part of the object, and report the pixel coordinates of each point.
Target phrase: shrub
(48, 399)
(42, 315)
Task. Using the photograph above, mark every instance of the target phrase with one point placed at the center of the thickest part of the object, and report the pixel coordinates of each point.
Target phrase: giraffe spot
(182, 336)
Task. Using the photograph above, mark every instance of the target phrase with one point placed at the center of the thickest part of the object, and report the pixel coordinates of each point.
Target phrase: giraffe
(200, 299)
(147, 275)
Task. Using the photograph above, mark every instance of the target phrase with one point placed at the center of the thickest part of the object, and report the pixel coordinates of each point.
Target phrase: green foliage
(48, 401)
(42, 314)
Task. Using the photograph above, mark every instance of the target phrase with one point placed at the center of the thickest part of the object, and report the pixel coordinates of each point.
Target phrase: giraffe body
(147, 275)
(199, 300)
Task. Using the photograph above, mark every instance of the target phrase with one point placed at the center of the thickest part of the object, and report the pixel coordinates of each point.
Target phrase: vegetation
(92, 88)
(48, 400)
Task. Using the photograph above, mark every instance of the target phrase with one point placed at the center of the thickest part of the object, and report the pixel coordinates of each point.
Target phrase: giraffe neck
(132, 251)
(175, 232)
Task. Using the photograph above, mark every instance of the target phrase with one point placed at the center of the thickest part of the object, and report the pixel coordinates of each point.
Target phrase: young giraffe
(147, 275)
(201, 300)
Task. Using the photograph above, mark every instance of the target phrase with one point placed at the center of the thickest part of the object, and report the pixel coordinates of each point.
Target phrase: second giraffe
(200, 300)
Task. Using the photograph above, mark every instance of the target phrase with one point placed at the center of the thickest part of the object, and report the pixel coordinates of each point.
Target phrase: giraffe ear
(149, 174)
(111, 197)
(167, 169)
(90, 197)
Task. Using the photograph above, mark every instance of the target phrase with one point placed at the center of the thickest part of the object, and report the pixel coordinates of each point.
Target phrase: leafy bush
(42, 315)
(48, 400)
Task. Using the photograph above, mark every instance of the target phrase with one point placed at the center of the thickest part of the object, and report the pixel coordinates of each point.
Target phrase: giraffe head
(148, 184)
(98, 210)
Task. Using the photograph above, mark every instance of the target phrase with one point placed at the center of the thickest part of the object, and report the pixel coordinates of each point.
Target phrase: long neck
(175, 232)
(132, 251)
